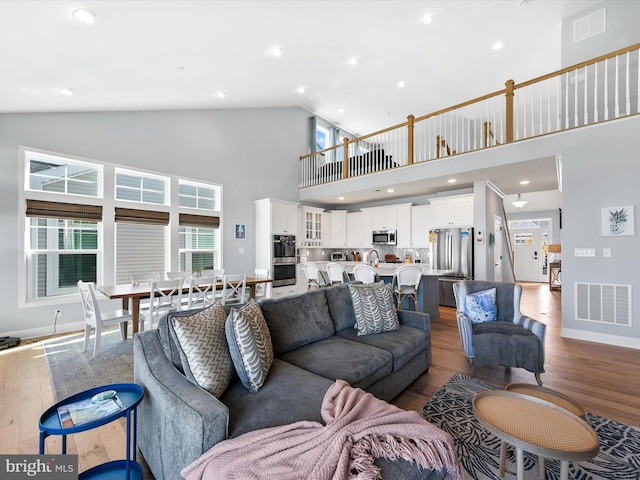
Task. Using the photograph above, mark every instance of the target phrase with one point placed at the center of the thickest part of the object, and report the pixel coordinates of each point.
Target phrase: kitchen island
(427, 291)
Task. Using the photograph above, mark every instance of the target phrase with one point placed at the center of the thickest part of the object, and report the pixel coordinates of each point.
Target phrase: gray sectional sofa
(314, 343)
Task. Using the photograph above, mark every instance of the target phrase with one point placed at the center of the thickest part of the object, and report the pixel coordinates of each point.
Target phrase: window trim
(107, 203)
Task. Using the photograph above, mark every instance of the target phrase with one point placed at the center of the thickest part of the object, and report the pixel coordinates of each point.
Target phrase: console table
(555, 276)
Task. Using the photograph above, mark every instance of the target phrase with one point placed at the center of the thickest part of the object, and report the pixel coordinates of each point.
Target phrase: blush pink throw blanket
(359, 428)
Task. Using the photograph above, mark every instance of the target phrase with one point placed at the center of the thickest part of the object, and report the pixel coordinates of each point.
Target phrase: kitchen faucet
(371, 261)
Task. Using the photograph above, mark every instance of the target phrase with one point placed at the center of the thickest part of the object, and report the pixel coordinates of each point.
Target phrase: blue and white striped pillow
(250, 345)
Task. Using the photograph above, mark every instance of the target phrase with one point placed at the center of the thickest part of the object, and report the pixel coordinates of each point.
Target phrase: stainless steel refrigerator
(452, 250)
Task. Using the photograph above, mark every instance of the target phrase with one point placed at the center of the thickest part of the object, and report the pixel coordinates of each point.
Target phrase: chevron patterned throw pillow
(373, 307)
(250, 345)
(204, 346)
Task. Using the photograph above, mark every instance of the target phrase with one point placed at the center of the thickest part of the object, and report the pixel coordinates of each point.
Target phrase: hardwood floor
(601, 377)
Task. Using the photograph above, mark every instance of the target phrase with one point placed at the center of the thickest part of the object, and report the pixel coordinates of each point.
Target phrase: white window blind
(140, 248)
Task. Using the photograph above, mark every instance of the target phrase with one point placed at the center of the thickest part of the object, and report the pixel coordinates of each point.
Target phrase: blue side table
(130, 395)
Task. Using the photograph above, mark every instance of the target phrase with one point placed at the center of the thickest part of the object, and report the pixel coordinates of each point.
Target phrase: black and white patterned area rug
(73, 371)
(478, 450)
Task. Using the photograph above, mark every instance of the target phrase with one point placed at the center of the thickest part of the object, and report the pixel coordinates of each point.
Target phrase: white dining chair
(262, 289)
(336, 273)
(166, 296)
(315, 278)
(234, 289)
(201, 291)
(178, 275)
(365, 274)
(95, 319)
(405, 284)
(145, 277)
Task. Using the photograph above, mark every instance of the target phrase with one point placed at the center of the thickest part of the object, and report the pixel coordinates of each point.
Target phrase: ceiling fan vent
(590, 25)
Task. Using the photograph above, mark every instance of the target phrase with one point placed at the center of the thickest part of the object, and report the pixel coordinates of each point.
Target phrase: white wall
(253, 153)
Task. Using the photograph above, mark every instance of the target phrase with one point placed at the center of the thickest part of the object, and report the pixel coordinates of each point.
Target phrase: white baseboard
(601, 338)
(46, 331)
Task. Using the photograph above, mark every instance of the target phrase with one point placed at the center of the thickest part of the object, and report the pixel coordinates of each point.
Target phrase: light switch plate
(606, 252)
(584, 252)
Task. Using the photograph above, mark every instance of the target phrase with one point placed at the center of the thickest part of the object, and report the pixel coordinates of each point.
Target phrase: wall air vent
(603, 303)
(590, 25)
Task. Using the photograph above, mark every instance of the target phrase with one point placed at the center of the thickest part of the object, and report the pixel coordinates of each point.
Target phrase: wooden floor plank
(594, 374)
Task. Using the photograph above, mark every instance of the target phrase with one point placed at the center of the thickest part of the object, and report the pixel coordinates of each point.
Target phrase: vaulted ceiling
(158, 55)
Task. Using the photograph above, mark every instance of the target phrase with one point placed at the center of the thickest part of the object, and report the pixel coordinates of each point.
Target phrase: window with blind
(139, 248)
(63, 248)
(64, 224)
(198, 242)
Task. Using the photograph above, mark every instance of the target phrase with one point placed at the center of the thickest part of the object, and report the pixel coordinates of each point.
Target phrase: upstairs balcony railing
(595, 91)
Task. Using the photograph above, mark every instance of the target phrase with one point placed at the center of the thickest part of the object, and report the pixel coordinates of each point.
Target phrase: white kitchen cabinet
(452, 211)
(284, 217)
(279, 292)
(327, 230)
(272, 217)
(403, 225)
(354, 229)
(311, 231)
(367, 228)
(384, 218)
(338, 229)
(420, 226)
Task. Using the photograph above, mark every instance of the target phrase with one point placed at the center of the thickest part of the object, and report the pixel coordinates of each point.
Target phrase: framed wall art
(617, 221)
(241, 231)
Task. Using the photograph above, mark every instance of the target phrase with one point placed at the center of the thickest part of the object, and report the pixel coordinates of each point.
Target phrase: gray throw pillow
(203, 348)
(250, 345)
(373, 307)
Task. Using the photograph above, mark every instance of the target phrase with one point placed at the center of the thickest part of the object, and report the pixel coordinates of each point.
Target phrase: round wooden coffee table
(537, 426)
(535, 390)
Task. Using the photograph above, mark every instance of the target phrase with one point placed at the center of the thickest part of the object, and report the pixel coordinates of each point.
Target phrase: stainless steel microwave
(384, 237)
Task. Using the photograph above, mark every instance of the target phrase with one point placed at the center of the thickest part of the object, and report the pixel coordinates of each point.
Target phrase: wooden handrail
(465, 138)
(578, 65)
(459, 105)
(345, 163)
(410, 129)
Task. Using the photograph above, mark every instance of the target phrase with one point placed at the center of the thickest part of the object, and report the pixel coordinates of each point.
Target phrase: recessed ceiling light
(524, 182)
(497, 45)
(340, 198)
(221, 95)
(427, 19)
(300, 89)
(340, 110)
(65, 91)
(452, 180)
(352, 61)
(85, 15)
(400, 84)
(390, 190)
(276, 51)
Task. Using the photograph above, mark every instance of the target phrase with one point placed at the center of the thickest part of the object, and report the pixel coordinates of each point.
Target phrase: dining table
(131, 294)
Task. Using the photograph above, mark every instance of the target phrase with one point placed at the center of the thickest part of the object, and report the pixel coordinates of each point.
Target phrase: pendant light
(519, 203)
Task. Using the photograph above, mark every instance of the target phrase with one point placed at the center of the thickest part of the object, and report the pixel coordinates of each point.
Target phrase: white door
(497, 249)
(526, 252)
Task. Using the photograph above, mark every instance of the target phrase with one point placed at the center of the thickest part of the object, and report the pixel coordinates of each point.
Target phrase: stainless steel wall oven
(284, 260)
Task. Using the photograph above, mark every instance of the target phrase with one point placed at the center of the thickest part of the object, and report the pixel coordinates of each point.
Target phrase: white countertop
(386, 268)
